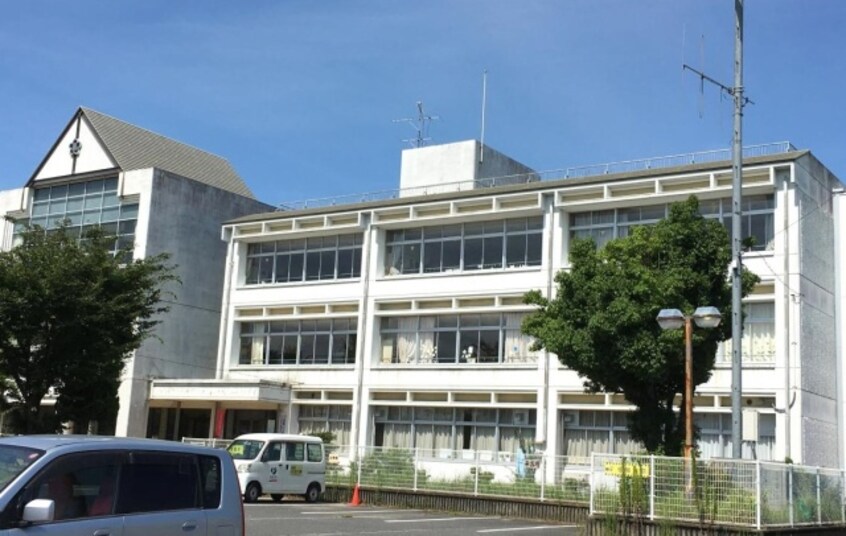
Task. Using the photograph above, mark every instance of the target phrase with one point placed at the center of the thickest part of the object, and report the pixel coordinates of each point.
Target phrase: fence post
(819, 507)
(416, 460)
(790, 491)
(842, 496)
(543, 476)
(652, 487)
(758, 494)
(592, 484)
(476, 461)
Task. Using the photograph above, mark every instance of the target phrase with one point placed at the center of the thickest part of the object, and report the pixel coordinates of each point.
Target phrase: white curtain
(398, 436)
(427, 339)
(516, 343)
(257, 351)
(407, 340)
(485, 438)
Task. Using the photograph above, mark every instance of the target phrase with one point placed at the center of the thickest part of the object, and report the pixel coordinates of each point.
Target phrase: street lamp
(705, 317)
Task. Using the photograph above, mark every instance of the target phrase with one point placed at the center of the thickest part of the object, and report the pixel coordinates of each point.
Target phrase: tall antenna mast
(484, 106)
(420, 125)
(736, 92)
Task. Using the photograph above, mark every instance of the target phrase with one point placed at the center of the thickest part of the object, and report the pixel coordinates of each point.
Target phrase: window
(210, 481)
(440, 432)
(314, 452)
(80, 485)
(158, 481)
(334, 419)
(468, 338)
(84, 205)
(312, 259)
(294, 451)
(473, 246)
(758, 342)
(604, 225)
(299, 342)
(589, 431)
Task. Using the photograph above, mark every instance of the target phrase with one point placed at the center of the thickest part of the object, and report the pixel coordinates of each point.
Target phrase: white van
(279, 465)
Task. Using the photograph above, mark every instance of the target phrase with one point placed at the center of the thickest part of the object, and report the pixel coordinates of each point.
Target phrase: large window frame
(604, 225)
(489, 245)
(337, 419)
(442, 432)
(322, 341)
(83, 206)
(445, 339)
(309, 259)
(758, 344)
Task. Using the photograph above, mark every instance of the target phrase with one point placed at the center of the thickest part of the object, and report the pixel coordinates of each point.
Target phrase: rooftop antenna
(736, 92)
(484, 106)
(420, 125)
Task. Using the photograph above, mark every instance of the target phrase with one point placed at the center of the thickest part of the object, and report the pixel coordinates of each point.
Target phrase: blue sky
(300, 95)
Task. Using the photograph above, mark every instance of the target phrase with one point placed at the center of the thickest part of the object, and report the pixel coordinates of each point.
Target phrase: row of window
(604, 225)
(440, 431)
(312, 259)
(471, 246)
(82, 206)
(444, 339)
(299, 342)
(471, 338)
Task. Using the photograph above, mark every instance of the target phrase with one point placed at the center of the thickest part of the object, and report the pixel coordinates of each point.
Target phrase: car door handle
(102, 532)
(189, 526)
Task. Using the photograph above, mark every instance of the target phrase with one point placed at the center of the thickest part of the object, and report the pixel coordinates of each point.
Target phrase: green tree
(70, 314)
(601, 322)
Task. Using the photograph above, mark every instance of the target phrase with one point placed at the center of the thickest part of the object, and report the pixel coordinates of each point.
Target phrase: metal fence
(626, 166)
(723, 491)
(744, 493)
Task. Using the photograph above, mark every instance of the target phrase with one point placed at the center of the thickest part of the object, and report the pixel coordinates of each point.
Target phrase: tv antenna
(421, 125)
(736, 93)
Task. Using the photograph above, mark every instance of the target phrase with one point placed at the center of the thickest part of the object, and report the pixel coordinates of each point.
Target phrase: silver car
(107, 486)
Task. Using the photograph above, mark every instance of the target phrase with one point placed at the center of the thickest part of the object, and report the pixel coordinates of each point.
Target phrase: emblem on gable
(75, 147)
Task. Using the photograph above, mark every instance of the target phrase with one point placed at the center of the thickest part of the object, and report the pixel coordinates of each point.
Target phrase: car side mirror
(39, 511)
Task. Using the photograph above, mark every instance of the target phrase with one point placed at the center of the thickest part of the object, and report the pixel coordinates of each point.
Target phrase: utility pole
(736, 92)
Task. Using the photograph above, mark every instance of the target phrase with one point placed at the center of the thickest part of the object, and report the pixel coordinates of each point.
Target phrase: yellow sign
(632, 469)
(236, 450)
(296, 470)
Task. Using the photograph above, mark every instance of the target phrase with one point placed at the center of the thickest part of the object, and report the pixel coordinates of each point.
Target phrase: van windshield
(13, 460)
(245, 449)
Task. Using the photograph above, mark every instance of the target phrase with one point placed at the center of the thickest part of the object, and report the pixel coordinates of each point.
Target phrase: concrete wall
(181, 217)
(814, 187)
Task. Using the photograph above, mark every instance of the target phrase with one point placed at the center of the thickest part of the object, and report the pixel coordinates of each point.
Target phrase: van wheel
(253, 493)
(277, 497)
(312, 493)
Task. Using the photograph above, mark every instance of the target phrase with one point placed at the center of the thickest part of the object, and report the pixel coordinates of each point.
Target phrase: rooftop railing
(625, 166)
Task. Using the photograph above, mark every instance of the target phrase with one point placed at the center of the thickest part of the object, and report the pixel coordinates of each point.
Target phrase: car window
(245, 449)
(210, 480)
(80, 485)
(13, 460)
(315, 453)
(273, 452)
(294, 451)
(158, 481)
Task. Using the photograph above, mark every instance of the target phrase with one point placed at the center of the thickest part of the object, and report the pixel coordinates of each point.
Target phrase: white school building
(396, 321)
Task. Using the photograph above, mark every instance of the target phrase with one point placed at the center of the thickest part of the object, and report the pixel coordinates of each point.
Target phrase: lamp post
(704, 317)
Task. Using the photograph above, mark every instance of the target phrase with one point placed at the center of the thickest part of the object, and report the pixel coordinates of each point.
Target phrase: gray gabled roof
(133, 147)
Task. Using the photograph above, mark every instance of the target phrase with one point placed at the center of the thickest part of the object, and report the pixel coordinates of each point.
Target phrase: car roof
(270, 436)
(51, 442)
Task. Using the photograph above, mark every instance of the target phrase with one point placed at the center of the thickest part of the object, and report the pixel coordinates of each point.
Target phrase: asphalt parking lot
(330, 519)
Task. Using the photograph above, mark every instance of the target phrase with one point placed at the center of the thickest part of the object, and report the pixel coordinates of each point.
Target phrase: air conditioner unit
(520, 417)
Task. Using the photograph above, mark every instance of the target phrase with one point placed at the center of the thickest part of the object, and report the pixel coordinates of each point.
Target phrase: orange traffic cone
(356, 498)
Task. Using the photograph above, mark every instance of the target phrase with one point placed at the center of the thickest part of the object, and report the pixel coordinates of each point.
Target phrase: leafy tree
(70, 314)
(602, 322)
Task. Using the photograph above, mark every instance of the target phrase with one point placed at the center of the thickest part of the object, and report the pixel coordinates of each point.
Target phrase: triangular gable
(92, 154)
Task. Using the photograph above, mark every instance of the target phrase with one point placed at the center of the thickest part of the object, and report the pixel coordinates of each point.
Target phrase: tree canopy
(71, 312)
(601, 323)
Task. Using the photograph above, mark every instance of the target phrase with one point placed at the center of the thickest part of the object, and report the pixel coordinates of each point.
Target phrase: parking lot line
(539, 527)
(432, 519)
(349, 511)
